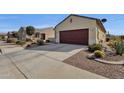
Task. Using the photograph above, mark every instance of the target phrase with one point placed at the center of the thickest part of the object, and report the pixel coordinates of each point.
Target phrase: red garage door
(79, 36)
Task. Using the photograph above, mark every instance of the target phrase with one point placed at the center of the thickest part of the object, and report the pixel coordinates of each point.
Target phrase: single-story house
(76, 29)
(44, 33)
(10, 34)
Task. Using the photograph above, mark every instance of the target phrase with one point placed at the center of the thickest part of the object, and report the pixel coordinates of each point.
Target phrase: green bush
(21, 43)
(99, 54)
(119, 47)
(40, 42)
(11, 40)
(94, 47)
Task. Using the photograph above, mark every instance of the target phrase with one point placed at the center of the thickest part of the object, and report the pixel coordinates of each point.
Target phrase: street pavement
(9, 48)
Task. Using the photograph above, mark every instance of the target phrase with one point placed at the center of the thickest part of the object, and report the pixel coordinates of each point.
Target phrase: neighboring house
(45, 34)
(22, 33)
(9, 35)
(83, 30)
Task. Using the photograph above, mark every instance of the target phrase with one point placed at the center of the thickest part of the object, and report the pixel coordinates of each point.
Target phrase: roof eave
(101, 25)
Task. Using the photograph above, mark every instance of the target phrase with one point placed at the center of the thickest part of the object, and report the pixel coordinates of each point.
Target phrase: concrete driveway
(43, 62)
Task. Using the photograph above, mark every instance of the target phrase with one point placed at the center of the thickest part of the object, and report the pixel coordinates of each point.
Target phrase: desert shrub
(47, 41)
(11, 40)
(20, 42)
(115, 38)
(0, 50)
(2, 37)
(122, 37)
(111, 43)
(94, 47)
(14, 34)
(107, 39)
(33, 43)
(40, 42)
(28, 46)
(28, 40)
(99, 54)
(119, 47)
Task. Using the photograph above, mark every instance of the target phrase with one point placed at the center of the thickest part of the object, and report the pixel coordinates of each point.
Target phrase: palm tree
(30, 30)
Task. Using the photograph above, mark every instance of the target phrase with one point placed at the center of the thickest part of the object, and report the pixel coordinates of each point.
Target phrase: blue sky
(10, 22)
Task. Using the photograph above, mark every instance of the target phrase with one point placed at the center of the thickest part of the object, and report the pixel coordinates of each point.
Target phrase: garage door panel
(74, 36)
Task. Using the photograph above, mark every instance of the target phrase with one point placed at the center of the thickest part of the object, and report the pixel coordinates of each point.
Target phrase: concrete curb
(110, 62)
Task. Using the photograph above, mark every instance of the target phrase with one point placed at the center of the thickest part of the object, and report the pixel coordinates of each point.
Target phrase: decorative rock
(90, 56)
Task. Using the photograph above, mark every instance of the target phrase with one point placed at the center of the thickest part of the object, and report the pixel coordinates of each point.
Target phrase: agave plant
(119, 47)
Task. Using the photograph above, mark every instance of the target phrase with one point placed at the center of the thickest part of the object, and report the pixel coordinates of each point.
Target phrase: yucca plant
(119, 47)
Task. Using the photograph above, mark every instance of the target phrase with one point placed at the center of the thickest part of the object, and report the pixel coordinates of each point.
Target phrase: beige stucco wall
(101, 36)
(78, 23)
(49, 34)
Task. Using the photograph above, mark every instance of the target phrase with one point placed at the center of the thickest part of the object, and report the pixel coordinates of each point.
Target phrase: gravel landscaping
(114, 58)
(107, 70)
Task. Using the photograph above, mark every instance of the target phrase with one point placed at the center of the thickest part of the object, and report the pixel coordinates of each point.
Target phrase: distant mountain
(1, 33)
